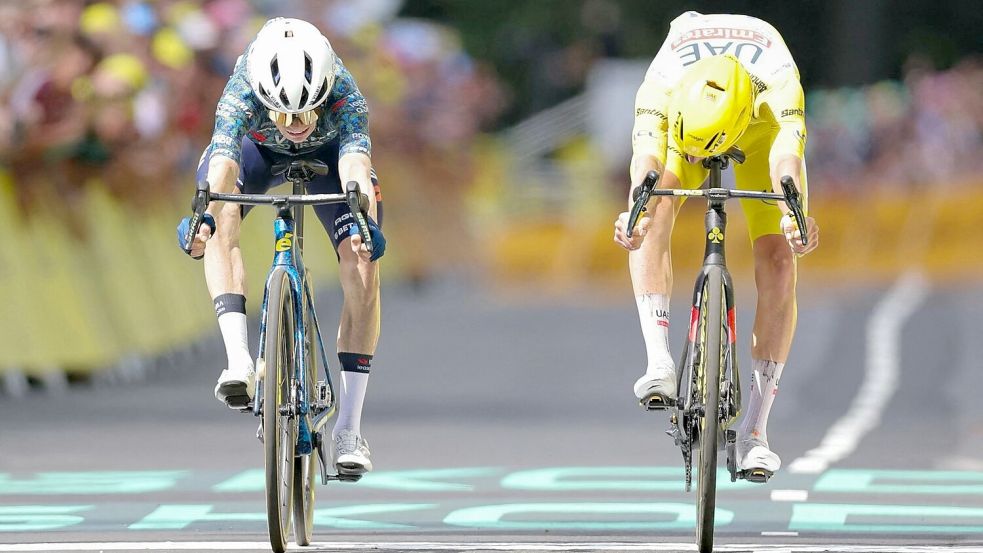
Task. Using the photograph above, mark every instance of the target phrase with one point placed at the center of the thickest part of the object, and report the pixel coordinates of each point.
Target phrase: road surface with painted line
(504, 423)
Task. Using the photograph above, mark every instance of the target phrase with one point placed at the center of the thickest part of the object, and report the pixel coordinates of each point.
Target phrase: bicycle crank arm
(322, 457)
(345, 477)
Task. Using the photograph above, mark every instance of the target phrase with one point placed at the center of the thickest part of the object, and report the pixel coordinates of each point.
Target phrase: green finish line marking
(495, 499)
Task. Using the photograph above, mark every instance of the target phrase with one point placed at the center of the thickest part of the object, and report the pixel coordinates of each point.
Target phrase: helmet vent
(323, 90)
(275, 70)
(303, 97)
(711, 141)
(679, 119)
(288, 34)
(284, 99)
(714, 85)
(308, 67)
(264, 93)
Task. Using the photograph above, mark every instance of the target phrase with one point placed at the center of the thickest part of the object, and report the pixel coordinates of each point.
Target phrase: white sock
(764, 388)
(351, 398)
(653, 313)
(236, 338)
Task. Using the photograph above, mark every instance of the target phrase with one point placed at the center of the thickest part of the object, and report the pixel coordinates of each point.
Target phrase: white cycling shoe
(351, 453)
(756, 460)
(236, 386)
(656, 389)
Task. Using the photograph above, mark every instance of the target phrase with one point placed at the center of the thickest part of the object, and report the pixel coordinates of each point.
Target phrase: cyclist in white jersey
(718, 81)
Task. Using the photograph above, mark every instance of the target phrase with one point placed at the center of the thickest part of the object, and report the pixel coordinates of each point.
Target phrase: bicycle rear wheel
(279, 426)
(305, 466)
(713, 318)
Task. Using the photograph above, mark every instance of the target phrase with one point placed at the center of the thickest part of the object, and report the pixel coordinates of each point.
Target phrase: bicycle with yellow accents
(709, 386)
(293, 403)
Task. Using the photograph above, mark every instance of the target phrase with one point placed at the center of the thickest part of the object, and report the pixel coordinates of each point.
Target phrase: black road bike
(708, 382)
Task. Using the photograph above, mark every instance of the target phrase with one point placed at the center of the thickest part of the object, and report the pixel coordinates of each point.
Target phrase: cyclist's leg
(225, 276)
(774, 322)
(358, 333)
(651, 275)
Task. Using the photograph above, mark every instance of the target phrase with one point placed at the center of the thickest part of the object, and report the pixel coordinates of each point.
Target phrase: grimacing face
(296, 131)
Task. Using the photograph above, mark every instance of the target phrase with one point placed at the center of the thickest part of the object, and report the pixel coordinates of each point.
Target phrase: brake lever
(198, 206)
(792, 200)
(358, 204)
(641, 196)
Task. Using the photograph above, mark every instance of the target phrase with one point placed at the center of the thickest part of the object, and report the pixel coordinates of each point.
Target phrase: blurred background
(501, 137)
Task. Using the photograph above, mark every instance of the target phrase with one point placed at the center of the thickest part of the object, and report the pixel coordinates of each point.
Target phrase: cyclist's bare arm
(648, 141)
(357, 167)
(787, 157)
(648, 135)
(224, 272)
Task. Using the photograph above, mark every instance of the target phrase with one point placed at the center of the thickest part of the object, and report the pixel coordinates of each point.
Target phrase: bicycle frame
(715, 225)
(288, 232)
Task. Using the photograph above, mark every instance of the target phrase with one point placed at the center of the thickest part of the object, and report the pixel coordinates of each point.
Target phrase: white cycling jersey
(693, 36)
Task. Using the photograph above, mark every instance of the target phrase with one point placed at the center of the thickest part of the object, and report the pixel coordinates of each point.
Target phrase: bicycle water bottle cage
(301, 169)
(734, 153)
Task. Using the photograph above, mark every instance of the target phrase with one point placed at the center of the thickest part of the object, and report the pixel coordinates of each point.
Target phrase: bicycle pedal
(657, 402)
(345, 477)
(239, 403)
(758, 476)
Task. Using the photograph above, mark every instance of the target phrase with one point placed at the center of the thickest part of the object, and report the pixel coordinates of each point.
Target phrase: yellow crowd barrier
(87, 284)
(866, 237)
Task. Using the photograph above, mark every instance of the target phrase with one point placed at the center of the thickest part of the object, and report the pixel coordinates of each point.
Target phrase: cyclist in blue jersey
(291, 97)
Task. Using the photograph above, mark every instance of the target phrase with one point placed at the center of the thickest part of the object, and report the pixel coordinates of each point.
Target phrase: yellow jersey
(779, 99)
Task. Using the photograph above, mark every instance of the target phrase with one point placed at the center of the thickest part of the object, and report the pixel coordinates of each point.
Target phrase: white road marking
(880, 375)
(789, 495)
(782, 534)
(486, 546)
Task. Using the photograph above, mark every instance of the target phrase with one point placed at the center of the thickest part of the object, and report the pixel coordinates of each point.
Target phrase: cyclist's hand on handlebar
(378, 242)
(621, 231)
(794, 236)
(205, 232)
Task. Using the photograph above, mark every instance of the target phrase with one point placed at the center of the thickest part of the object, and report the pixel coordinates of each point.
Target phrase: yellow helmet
(711, 106)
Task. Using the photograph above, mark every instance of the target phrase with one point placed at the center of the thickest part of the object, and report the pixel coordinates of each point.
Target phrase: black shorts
(256, 177)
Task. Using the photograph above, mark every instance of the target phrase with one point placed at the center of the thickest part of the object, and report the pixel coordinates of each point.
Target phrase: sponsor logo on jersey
(222, 139)
(258, 136)
(235, 102)
(731, 33)
(796, 112)
(758, 83)
(649, 111)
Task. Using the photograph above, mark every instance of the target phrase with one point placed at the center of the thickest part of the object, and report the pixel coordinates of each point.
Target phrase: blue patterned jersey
(343, 115)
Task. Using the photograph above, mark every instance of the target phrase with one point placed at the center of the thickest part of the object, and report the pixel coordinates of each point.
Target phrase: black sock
(229, 303)
(355, 362)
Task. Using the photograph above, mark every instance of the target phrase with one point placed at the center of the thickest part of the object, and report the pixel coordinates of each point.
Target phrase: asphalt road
(508, 423)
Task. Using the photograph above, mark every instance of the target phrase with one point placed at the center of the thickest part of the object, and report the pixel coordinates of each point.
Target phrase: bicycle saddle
(301, 169)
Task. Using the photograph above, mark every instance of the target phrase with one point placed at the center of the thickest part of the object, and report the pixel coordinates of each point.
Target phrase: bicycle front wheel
(279, 425)
(713, 318)
(305, 466)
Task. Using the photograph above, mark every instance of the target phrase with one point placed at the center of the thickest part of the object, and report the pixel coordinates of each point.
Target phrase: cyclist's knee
(356, 273)
(774, 258)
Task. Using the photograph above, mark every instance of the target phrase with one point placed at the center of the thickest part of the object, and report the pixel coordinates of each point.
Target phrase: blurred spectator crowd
(924, 130)
(125, 90)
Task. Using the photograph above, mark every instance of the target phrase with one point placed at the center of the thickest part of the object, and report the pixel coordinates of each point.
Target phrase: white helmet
(291, 66)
